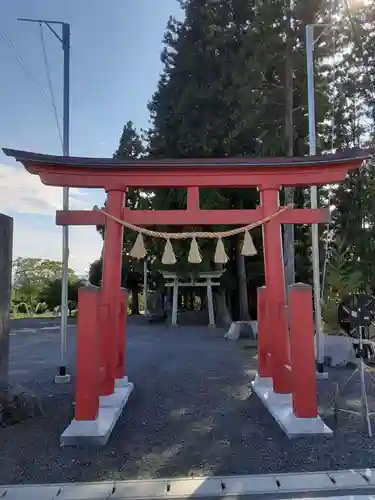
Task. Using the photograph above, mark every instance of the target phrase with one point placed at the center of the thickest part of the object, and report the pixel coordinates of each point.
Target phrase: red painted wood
(103, 316)
(121, 359)
(111, 294)
(275, 356)
(187, 217)
(302, 351)
(87, 364)
(274, 271)
(218, 176)
(264, 344)
(80, 218)
(193, 198)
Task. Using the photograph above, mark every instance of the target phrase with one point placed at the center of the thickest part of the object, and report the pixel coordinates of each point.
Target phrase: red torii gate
(279, 356)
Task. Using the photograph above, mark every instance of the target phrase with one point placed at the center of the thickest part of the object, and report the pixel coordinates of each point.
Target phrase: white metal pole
(314, 203)
(145, 291)
(63, 376)
(64, 39)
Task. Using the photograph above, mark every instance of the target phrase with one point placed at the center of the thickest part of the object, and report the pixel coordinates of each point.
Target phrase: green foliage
(41, 308)
(22, 308)
(140, 304)
(222, 93)
(51, 293)
(95, 272)
(37, 284)
(31, 275)
(132, 276)
(130, 148)
(350, 125)
(342, 279)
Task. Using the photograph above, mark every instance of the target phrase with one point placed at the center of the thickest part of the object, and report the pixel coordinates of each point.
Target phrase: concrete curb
(335, 483)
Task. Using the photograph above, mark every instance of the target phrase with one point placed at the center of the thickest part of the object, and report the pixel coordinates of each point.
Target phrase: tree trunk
(242, 282)
(6, 246)
(185, 299)
(203, 296)
(135, 301)
(221, 308)
(191, 296)
(289, 251)
(221, 305)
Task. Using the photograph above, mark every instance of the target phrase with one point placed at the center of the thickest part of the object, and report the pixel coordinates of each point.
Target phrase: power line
(22, 64)
(50, 83)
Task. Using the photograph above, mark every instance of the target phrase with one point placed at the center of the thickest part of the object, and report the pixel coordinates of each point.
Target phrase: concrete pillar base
(281, 408)
(98, 431)
(62, 379)
(121, 382)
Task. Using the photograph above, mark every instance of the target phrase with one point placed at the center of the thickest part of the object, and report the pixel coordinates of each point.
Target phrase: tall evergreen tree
(130, 148)
(351, 125)
(222, 93)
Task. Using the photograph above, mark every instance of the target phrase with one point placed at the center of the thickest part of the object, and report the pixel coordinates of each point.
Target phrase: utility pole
(289, 246)
(64, 39)
(319, 338)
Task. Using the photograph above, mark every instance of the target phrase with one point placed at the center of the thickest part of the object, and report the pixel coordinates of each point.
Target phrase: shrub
(342, 279)
(18, 405)
(22, 308)
(41, 308)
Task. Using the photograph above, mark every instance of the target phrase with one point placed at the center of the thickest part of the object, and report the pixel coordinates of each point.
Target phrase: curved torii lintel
(228, 172)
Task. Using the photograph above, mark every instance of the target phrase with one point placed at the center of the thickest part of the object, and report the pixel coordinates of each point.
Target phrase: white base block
(237, 327)
(281, 408)
(321, 375)
(121, 382)
(98, 431)
(62, 379)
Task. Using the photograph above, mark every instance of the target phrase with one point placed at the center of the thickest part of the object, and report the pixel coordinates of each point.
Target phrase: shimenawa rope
(139, 250)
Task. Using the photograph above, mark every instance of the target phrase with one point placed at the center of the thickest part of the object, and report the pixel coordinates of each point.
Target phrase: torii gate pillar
(111, 292)
(274, 271)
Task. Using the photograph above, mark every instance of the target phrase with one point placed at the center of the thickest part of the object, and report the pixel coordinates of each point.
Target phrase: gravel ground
(192, 413)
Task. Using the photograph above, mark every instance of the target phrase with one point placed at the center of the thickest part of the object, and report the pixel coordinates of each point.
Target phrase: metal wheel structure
(357, 313)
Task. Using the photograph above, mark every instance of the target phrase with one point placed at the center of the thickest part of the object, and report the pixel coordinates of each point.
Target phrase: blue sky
(115, 67)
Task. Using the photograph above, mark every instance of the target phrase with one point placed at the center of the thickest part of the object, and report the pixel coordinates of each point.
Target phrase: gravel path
(192, 413)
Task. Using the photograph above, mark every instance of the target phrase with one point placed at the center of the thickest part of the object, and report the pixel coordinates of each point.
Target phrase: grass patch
(47, 314)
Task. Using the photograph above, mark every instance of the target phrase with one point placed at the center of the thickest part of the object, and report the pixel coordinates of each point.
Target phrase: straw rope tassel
(169, 257)
(194, 254)
(248, 248)
(220, 255)
(139, 250)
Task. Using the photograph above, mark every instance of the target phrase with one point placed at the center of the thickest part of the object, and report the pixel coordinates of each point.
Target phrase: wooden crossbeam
(149, 218)
(206, 283)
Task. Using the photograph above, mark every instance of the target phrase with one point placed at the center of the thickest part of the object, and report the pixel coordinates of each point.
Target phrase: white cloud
(24, 193)
(46, 243)
(33, 206)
